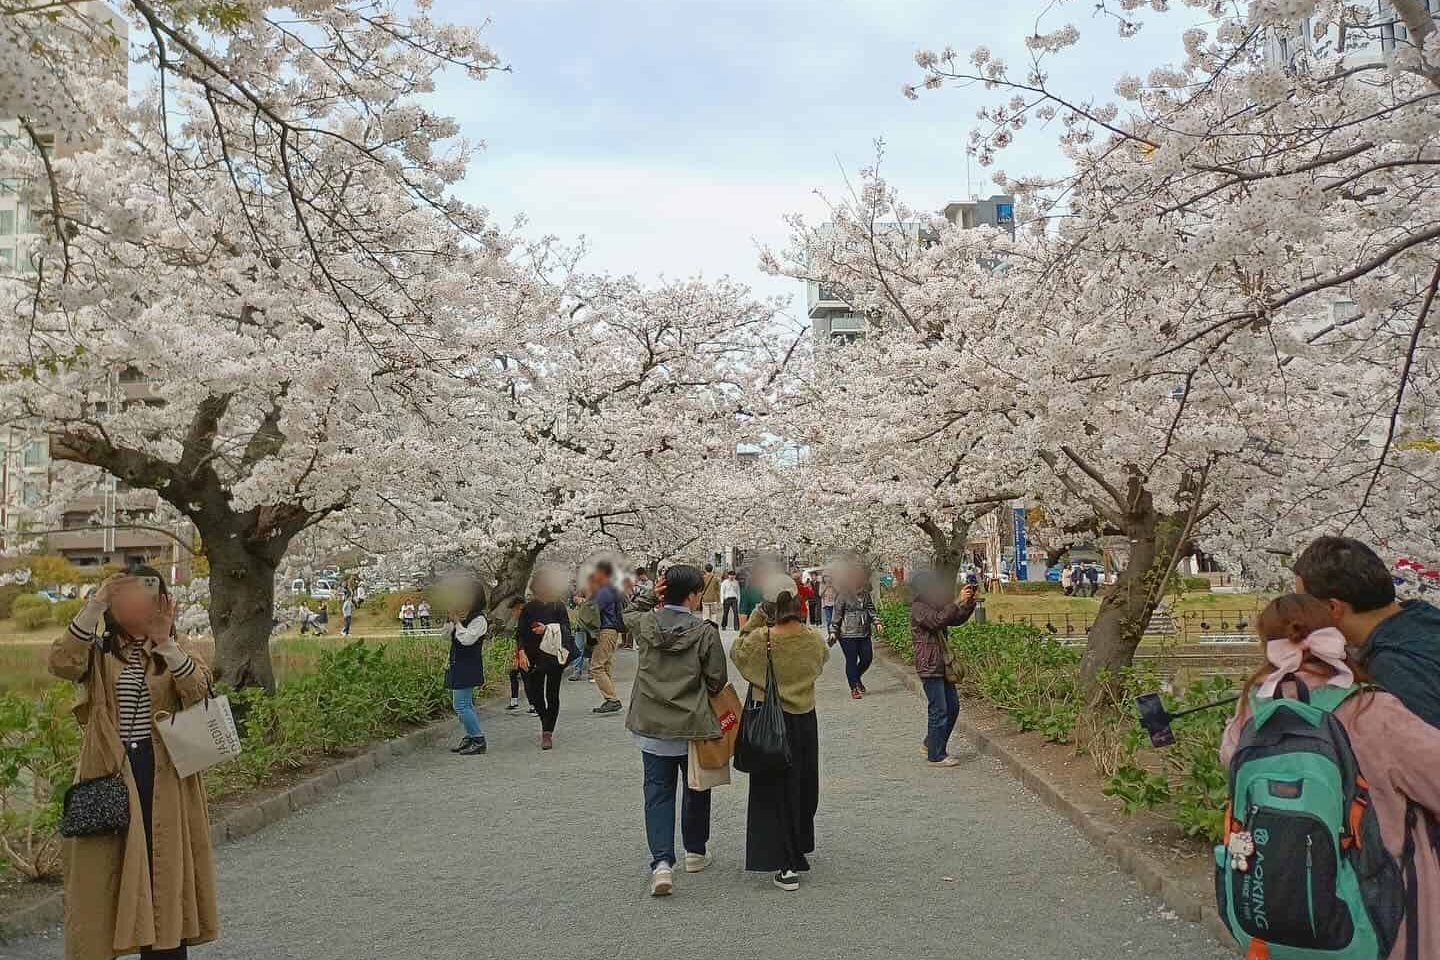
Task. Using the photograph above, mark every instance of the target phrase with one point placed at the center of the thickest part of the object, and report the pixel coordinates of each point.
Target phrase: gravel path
(523, 854)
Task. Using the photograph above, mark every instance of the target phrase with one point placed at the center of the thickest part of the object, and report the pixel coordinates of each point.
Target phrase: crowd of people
(1341, 644)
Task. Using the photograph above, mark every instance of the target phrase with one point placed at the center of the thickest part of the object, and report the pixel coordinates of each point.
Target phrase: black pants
(732, 605)
(515, 677)
(142, 768)
(542, 688)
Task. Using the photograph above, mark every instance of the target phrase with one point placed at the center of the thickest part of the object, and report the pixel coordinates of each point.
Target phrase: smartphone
(1155, 719)
(151, 585)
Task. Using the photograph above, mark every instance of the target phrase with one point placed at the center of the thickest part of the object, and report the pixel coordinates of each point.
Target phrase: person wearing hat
(780, 820)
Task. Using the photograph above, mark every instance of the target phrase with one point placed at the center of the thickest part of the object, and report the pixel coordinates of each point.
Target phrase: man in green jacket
(681, 662)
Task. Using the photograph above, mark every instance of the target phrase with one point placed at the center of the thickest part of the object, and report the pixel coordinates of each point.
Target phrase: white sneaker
(787, 880)
(662, 881)
(947, 762)
(695, 862)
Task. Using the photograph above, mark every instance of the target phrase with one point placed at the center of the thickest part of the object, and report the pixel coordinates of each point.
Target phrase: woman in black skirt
(780, 822)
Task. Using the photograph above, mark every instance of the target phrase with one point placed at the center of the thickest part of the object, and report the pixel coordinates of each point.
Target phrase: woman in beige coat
(151, 890)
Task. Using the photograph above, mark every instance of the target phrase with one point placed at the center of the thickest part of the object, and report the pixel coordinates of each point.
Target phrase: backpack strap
(1412, 882)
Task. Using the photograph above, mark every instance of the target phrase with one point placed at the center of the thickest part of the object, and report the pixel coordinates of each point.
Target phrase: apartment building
(833, 320)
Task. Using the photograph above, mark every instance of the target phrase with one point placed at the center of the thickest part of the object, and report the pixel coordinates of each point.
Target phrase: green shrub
(8, 594)
(1034, 680)
(63, 612)
(31, 611)
(39, 745)
(1195, 584)
(1028, 587)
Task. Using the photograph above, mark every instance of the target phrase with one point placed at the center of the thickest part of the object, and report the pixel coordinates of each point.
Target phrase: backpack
(1303, 873)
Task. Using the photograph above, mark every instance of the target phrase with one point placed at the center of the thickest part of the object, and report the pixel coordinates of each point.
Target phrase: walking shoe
(862, 689)
(547, 741)
(514, 704)
(464, 742)
(474, 748)
(695, 862)
(855, 693)
(947, 762)
(662, 881)
(576, 677)
(532, 712)
(609, 706)
(788, 880)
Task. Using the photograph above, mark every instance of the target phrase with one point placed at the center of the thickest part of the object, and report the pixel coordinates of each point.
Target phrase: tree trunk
(948, 546)
(1126, 610)
(242, 607)
(513, 575)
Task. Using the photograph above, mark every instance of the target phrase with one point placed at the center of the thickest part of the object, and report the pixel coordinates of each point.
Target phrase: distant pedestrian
(360, 594)
(711, 594)
(1067, 581)
(407, 617)
(750, 598)
(812, 602)
(517, 676)
(854, 630)
(729, 600)
(465, 629)
(680, 664)
(612, 622)
(423, 613)
(539, 652)
(932, 613)
(1092, 579)
(828, 595)
(644, 594)
(780, 817)
(347, 610)
(585, 622)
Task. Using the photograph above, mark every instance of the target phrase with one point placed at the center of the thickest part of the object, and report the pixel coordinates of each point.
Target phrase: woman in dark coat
(543, 668)
(465, 628)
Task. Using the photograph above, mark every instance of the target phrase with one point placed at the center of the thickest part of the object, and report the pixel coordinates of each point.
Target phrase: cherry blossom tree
(254, 294)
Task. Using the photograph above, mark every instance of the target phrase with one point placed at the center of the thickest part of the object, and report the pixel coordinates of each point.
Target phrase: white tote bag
(702, 778)
(200, 736)
(553, 643)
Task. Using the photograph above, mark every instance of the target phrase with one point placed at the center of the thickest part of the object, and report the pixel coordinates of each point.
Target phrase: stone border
(1155, 876)
(253, 817)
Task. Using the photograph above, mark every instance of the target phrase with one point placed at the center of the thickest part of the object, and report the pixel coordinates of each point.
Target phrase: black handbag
(762, 746)
(99, 806)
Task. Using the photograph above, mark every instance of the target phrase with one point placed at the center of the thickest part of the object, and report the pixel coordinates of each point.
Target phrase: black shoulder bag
(99, 806)
(762, 746)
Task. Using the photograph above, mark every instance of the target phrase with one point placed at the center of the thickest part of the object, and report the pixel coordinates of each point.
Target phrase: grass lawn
(23, 652)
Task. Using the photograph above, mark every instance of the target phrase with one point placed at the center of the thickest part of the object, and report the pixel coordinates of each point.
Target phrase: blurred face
(132, 605)
(548, 586)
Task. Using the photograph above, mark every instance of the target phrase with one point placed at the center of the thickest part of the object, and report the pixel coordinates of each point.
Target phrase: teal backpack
(1303, 873)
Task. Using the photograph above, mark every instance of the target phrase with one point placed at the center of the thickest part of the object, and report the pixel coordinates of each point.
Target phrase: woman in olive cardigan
(150, 890)
(780, 820)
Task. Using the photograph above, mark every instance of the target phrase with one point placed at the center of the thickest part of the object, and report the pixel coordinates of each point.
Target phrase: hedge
(31, 611)
(1033, 679)
(357, 694)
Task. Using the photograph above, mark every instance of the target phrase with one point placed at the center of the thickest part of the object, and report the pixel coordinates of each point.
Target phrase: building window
(7, 258)
(7, 223)
(35, 453)
(30, 493)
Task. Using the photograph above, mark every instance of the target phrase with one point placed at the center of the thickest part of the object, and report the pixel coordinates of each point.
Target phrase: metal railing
(1232, 625)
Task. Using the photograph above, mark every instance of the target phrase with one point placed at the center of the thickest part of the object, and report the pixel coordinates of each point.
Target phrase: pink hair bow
(1326, 645)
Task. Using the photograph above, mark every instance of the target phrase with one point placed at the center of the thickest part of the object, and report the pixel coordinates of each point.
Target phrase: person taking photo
(465, 628)
(150, 890)
(932, 613)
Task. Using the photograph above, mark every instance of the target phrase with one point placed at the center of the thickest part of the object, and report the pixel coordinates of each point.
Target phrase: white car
(323, 589)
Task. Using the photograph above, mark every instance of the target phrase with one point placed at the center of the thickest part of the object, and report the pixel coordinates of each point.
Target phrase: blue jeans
(827, 614)
(858, 655)
(661, 777)
(944, 713)
(464, 701)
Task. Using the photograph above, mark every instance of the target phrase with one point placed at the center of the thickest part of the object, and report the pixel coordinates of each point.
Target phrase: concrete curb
(254, 817)
(1155, 877)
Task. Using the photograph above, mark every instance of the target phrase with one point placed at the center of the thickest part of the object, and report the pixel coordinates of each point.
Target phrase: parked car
(297, 586)
(323, 589)
(50, 595)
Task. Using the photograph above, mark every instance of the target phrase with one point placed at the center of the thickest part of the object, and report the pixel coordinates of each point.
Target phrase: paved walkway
(521, 854)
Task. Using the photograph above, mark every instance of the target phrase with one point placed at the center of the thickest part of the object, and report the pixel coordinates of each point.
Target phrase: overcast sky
(675, 135)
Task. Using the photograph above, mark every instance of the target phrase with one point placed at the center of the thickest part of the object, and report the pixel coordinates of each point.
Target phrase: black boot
(474, 747)
(464, 742)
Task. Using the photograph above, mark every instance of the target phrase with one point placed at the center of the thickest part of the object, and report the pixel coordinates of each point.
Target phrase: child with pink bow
(1398, 753)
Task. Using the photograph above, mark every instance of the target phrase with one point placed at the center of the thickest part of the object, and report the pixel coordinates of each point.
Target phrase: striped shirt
(132, 695)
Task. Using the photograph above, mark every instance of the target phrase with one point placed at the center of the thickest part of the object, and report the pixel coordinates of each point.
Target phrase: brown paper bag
(716, 753)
